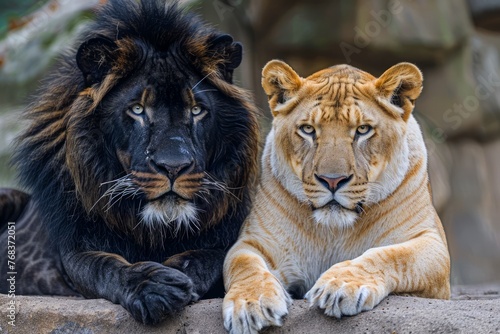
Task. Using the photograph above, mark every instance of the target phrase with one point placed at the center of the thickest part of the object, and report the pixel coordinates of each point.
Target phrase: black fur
(12, 204)
(80, 123)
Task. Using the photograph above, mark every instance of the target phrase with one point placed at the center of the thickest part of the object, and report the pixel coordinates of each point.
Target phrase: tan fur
(346, 250)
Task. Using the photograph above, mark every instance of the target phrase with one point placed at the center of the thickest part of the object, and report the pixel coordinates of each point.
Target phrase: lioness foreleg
(255, 297)
(417, 267)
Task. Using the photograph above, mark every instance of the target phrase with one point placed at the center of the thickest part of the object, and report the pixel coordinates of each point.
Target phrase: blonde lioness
(343, 214)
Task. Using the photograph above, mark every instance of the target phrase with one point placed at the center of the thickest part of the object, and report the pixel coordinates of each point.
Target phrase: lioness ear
(230, 51)
(94, 58)
(401, 85)
(279, 81)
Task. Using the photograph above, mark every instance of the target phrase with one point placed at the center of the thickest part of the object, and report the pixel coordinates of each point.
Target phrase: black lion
(140, 156)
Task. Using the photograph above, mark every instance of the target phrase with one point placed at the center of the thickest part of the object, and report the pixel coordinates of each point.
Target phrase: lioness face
(164, 117)
(339, 137)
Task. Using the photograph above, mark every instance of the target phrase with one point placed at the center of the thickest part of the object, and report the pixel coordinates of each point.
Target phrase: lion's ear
(95, 59)
(401, 85)
(279, 81)
(229, 52)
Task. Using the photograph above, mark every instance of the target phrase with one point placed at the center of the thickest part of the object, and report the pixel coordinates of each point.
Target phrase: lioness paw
(154, 291)
(345, 291)
(249, 308)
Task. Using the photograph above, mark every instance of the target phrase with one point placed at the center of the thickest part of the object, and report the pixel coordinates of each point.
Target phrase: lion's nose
(333, 181)
(173, 168)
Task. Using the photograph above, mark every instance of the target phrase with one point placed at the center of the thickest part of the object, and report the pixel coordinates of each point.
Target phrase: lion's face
(166, 139)
(339, 136)
(179, 140)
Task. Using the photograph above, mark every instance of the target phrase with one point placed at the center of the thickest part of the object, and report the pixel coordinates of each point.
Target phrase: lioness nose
(333, 181)
(173, 168)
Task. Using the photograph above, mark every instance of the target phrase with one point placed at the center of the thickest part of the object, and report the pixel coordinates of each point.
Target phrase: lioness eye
(363, 129)
(137, 109)
(307, 129)
(196, 110)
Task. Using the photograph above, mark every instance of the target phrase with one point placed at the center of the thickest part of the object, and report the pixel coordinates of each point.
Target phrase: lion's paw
(248, 308)
(346, 291)
(154, 291)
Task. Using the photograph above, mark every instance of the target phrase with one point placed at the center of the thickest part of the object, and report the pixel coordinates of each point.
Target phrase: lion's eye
(196, 110)
(307, 129)
(363, 129)
(137, 109)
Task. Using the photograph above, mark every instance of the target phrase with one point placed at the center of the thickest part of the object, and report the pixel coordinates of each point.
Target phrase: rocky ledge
(472, 309)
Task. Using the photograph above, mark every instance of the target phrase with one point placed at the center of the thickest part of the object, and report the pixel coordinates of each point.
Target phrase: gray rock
(472, 215)
(472, 310)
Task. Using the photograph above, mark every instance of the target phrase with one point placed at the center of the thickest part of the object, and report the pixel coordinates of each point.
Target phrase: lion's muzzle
(172, 167)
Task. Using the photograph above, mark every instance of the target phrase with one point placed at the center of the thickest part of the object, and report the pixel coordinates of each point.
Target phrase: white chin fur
(335, 217)
(176, 214)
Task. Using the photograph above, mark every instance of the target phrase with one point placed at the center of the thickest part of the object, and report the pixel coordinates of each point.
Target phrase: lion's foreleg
(202, 266)
(148, 290)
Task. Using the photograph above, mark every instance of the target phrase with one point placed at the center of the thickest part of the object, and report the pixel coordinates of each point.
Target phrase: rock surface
(473, 309)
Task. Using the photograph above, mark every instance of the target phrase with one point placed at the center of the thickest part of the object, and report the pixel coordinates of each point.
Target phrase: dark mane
(62, 157)
(156, 23)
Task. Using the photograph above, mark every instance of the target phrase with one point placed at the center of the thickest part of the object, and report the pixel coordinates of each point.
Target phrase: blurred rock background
(455, 42)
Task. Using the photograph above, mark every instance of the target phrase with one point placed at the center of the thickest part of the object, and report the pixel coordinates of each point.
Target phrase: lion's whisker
(203, 195)
(222, 183)
(205, 90)
(199, 82)
(116, 180)
(121, 188)
(116, 198)
(219, 186)
(117, 183)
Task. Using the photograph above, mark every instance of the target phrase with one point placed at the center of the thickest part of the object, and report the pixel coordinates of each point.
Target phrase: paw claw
(154, 291)
(249, 311)
(347, 296)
